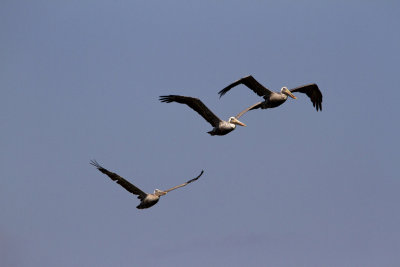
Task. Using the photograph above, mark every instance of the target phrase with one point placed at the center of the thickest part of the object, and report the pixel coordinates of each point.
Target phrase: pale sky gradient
(80, 80)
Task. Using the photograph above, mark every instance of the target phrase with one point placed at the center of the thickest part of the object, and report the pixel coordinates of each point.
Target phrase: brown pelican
(273, 99)
(220, 127)
(146, 200)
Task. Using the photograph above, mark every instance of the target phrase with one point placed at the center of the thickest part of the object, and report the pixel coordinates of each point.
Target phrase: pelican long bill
(290, 94)
(236, 121)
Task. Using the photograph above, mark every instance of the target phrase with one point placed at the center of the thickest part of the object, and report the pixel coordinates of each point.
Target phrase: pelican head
(287, 92)
(159, 192)
(236, 121)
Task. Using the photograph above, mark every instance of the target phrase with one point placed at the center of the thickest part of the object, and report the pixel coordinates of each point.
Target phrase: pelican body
(225, 127)
(147, 200)
(221, 127)
(275, 99)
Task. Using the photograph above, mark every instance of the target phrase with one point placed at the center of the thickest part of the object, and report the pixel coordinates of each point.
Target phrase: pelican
(273, 99)
(220, 127)
(146, 200)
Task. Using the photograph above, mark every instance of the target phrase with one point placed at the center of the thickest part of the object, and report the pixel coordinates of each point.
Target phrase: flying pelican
(220, 127)
(273, 99)
(146, 200)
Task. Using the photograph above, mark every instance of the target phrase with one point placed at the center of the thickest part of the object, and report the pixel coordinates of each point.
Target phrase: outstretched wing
(195, 104)
(251, 83)
(188, 182)
(312, 92)
(255, 106)
(121, 181)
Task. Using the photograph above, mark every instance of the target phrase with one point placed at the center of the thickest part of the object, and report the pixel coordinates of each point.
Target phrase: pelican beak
(290, 94)
(236, 121)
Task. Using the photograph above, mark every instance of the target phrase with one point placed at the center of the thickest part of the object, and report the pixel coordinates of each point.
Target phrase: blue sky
(80, 80)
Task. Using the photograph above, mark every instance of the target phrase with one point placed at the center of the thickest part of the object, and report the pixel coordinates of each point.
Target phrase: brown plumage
(221, 127)
(274, 99)
(146, 200)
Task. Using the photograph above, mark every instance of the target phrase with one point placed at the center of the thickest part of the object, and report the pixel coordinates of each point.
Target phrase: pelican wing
(312, 92)
(255, 106)
(195, 104)
(251, 83)
(188, 182)
(121, 181)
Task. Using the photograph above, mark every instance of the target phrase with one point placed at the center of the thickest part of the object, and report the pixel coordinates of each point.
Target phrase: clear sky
(80, 80)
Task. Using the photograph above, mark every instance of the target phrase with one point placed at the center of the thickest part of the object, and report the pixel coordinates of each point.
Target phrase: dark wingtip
(197, 177)
(319, 106)
(96, 164)
(166, 98)
(221, 93)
